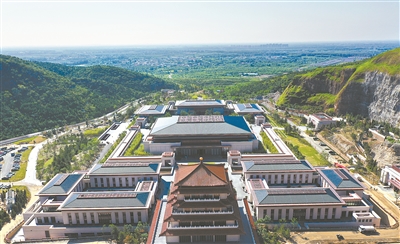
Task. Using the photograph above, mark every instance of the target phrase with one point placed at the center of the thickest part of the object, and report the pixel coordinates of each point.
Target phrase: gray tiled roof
(279, 166)
(296, 196)
(75, 201)
(346, 180)
(197, 103)
(64, 187)
(231, 125)
(151, 168)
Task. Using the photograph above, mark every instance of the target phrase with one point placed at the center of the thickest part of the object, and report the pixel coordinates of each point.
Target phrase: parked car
(1, 158)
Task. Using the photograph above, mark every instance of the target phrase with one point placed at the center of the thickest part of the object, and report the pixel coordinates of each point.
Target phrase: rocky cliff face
(377, 97)
(384, 93)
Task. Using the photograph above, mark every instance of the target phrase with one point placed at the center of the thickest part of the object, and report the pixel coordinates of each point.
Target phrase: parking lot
(11, 159)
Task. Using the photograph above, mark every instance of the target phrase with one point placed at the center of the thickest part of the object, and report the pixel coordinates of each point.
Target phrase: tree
(354, 137)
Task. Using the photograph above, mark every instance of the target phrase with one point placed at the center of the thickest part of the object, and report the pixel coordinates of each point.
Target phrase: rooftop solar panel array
(201, 119)
(109, 165)
(108, 195)
(300, 191)
(248, 105)
(61, 180)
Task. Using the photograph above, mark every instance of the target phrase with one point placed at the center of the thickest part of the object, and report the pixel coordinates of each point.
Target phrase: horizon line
(204, 44)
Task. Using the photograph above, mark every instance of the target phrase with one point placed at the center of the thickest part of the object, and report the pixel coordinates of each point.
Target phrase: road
(81, 124)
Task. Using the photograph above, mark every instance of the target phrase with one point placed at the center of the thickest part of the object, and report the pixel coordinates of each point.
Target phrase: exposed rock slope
(370, 88)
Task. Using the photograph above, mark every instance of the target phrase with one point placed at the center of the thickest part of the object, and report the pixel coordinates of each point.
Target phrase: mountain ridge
(35, 98)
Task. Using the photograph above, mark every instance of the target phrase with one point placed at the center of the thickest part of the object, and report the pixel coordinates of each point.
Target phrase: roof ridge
(214, 173)
(187, 174)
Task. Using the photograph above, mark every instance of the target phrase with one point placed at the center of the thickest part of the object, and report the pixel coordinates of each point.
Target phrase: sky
(129, 23)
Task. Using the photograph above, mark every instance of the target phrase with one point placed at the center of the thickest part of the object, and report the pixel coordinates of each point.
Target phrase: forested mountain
(369, 88)
(39, 96)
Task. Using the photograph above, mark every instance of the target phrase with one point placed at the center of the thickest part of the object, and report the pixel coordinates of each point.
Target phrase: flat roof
(296, 196)
(172, 126)
(340, 178)
(199, 103)
(61, 184)
(125, 168)
(247, 108)
(290, 165)
(105, 200)
(151, 110)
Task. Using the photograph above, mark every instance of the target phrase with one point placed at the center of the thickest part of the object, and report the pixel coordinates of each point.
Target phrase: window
(52, 219)
(108, 182)
(39, 220)
(185, 239)
(264, 213)
(116, 218)
(113, 180)
(69, 219)
(84, 218)
(46, 220)
(92, 218)
(120, 182)
(104, 218)
(95, 182)
(77, 218)
(132, 218)
(139, 216)
(101, 182)
(126, 182)
(124, 218)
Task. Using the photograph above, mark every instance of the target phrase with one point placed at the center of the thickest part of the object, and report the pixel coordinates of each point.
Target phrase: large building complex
(201, 204)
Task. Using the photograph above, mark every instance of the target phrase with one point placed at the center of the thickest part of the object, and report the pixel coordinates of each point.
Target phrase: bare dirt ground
(323, 237)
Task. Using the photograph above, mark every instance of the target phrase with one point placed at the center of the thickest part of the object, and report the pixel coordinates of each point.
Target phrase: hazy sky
(103, 23)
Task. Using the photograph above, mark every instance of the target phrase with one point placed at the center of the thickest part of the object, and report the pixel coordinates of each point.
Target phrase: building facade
(202, 206)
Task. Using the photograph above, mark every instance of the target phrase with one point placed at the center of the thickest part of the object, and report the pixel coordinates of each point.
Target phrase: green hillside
(39, 96)
(323, 89)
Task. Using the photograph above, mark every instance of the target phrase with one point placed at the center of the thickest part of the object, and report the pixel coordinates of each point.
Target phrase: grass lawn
(94, 132)
(48, 162)
(312, 156)
(31, 140)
